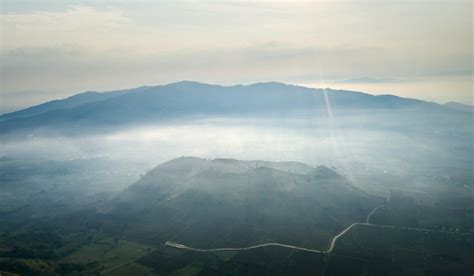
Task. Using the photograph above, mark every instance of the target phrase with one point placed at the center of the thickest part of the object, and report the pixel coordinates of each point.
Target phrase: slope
(227, 203)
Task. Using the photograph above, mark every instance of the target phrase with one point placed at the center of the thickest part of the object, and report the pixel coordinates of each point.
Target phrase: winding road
(328, 251)
(182, 246)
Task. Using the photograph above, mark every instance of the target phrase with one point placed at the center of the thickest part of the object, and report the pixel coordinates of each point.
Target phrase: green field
(109, 253)
(404, 251)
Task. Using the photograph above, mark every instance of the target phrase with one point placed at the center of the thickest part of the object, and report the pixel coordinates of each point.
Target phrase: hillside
(192, 99)
(460, 106)
(225, 202)
(70, 102)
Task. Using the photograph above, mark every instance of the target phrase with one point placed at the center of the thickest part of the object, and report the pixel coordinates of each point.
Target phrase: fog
(239, 139)
(98, 180)
(356, 151)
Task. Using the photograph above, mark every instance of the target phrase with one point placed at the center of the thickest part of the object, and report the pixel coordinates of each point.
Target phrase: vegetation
(230, 203)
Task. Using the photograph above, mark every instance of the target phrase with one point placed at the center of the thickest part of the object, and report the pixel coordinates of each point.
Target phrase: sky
(54, 49)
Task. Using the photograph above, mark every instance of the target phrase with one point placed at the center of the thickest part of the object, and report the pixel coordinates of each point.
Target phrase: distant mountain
(187, 99)
(460, 106)
(70, 102)
(226, 202)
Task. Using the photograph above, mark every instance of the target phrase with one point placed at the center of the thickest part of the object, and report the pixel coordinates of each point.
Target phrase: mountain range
(193, 99)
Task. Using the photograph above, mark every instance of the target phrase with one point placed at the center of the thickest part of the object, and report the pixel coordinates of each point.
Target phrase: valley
(236, 138)
(121, 236)
(292, 184)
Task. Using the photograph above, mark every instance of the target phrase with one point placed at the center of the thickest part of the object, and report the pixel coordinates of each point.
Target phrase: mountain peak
(270, 84)
(189, 83)
(460, 106)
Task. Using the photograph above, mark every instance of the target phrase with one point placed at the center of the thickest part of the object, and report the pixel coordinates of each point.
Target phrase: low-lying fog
(312, 142)
(373, 152)
(239, 139)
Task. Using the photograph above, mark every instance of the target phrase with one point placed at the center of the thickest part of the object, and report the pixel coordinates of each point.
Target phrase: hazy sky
(53, 49)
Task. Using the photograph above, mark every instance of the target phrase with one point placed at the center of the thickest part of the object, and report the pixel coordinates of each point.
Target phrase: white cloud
(136, 43)
(79, 25)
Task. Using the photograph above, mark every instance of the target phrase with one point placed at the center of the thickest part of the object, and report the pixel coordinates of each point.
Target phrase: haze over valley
(94, 156)
(236, 138)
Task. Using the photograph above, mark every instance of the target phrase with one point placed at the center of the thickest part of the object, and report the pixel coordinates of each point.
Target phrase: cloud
(110, 46)
(72, 67)
(368, 80)
(78, 25)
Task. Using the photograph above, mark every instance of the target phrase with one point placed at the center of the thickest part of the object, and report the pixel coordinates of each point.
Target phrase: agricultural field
(48, 252)
(402, 251)
(452, 212)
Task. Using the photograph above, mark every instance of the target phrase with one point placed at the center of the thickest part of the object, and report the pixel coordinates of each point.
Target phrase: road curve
(328, 251)
(182, 246)
(371, 213)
